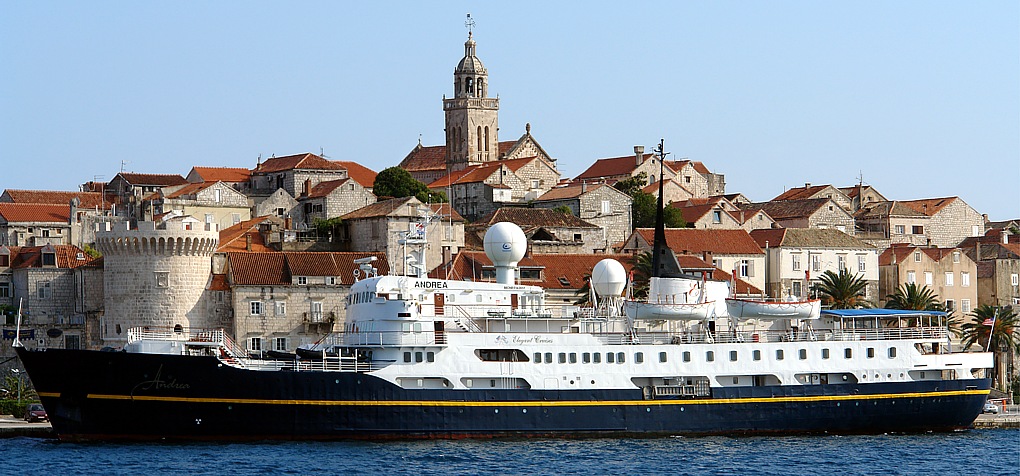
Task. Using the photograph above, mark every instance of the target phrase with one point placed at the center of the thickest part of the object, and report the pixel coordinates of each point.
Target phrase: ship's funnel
(505, 244)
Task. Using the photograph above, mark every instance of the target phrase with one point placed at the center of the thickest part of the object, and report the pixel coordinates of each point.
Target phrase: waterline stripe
(526, 403)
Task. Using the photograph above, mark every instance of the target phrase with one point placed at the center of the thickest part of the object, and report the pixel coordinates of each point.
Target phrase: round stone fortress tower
(155, 277)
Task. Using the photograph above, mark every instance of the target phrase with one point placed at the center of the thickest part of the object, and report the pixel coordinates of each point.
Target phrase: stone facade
(952, 220)
(948, 272)
(334, 198)
(600, 205)
(34, 224)
(797, 258)
(213, 203)
(284, 315)
(156, 277)
(279, 204)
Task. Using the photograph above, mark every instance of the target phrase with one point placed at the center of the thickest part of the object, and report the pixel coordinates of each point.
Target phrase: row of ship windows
(639, 357)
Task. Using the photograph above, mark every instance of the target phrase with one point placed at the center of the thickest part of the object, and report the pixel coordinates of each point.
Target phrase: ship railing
(328, 364)
(387, 339)
(739, 337)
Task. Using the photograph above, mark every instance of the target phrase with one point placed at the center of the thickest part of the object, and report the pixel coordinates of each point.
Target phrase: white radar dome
(505, 244)
(608, 278)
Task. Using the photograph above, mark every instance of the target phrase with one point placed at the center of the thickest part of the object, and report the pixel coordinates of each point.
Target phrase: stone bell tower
(471, 116)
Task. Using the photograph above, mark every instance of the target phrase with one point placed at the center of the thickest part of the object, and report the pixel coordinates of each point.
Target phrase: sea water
(974, 452)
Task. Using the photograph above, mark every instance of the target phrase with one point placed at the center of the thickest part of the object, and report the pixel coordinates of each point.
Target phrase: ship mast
(664, 264)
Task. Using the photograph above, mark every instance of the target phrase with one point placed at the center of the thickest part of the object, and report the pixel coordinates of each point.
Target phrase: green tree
(644, 208)
(397, 182)
(329, 227)
(564, 210)
(92, 252)
(1004, 339)
(632, 185)
(584, 294)
(844, 290)
(911, 297)
(642, 272)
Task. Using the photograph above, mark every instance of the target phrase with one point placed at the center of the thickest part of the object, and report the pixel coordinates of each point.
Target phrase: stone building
(807, 213)
(156, 276)
(690, 176)
(862, 196)
(381, 226)
(136, 191)
(884, 223)
(797, 257)
(282, 300)
(480, 189)
(215, 203)
(598, 204)
(727, 250)
(30, 224)
(334, 198)
(86, 209)
(237, 178)
(809, 191)
(997, 255)
(951, 220)
(43, 281)
(296, 174)
(947, 272)
(547, 230)
(279, 204)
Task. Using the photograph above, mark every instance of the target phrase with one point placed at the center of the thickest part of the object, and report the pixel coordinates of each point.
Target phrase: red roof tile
(611, 167)
(234, 238)
(532, 217)
(300, 161)
(222, 174)
(267, 269)
(572, 191)
(85, 199)
(160, 180)
(697, 241)
(425, 158)
(67, 256)
(189, 189)
(928, 206)
(219, 283)
(800, 193)
(361, 174)
(323, 189)
(35, 213)
(278, 269)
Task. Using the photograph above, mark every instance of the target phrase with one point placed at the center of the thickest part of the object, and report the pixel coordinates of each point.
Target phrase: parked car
(990, 408)
(35, 412)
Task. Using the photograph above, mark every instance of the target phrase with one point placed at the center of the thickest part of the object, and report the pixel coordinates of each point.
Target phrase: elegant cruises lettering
(532, 340)
(157, 383)
(430, 285)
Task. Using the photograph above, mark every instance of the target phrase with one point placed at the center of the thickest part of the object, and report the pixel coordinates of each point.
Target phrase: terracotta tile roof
(700, 167)
(533, 217)
(361, 174)
(929, 206)
(189, 189)
(611, 167)
(379, 209)
(886, 209)
(85, 199)
(35, 213)
(694, 213)
(473, 174)
(68, 256)
(160, 180)
(450, 178)
(267, 269)
(800, 193)
(278, 269)
(299, 161)
(653, 188)
(323, 189)
(505, 146)
(219, 283)
(788, 209)
(222, 174)
(741, 287)
(808, 238)
(698, 241)
(234, 238)
(425, 158)
(571, 191)
(900, 252)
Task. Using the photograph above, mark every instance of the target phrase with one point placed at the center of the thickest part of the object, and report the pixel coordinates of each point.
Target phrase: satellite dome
(608, 278)
(505, 244)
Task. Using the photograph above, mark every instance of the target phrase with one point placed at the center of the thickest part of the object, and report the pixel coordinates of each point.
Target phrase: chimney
(307, 190)
(1005, 237)
(807, 184)
(707, 256)
(984, 217)
(584, 186)
(639, 155)
(247, 242)
(286, 223)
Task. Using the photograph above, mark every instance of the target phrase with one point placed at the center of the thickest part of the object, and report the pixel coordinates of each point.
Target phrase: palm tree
(909, 296)
(1004, 338)
(642, 271)
(584, 293)
(843, 290)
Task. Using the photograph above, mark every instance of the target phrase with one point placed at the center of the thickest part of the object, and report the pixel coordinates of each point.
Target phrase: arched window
(481, 87)
(479, 138)
(486, 138)
(468, 85)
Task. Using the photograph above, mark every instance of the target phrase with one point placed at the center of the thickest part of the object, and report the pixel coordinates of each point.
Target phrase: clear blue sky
(921, 97)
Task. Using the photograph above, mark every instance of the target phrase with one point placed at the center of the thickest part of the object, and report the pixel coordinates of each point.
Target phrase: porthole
(497, 410)
(648, 410)
(524, 410)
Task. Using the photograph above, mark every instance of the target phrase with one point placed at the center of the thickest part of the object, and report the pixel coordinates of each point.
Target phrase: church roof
(425, 158)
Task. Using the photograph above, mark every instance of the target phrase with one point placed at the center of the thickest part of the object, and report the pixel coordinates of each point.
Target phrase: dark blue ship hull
(115, 395)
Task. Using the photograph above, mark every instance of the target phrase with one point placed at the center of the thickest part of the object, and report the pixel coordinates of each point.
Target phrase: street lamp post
(18, 373)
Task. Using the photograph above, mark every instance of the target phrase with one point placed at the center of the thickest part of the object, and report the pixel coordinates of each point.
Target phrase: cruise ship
(432, 358)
